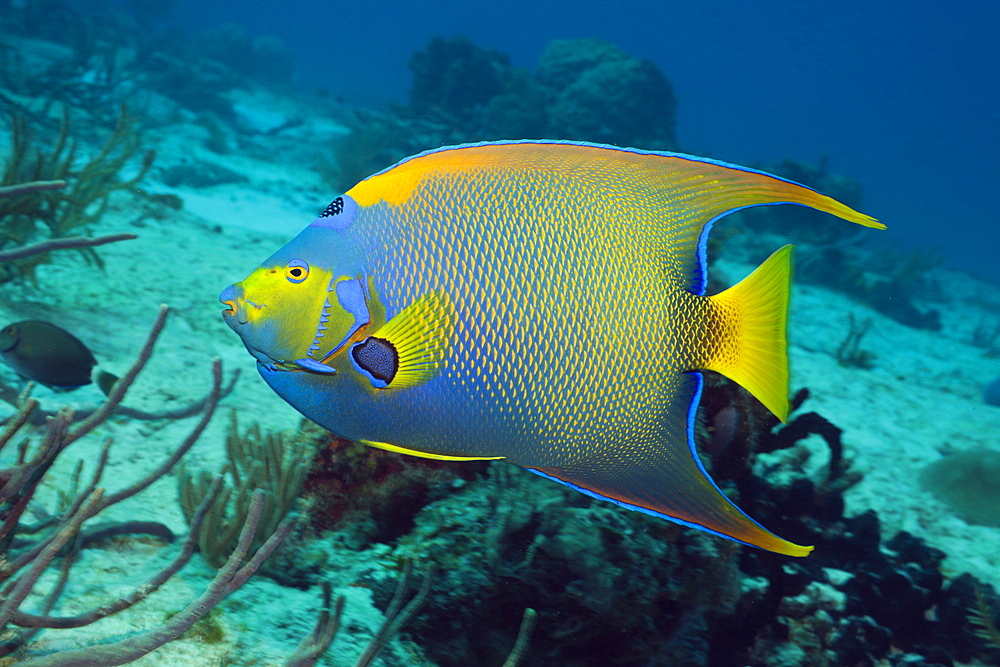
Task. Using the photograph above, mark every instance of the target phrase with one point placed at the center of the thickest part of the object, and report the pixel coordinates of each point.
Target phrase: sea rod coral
(23, 560)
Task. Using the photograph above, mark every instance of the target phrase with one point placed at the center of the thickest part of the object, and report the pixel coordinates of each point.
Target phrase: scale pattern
(573, 318)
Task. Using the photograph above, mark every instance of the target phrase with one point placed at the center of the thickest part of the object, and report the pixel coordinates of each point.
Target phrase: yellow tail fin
(756, 310)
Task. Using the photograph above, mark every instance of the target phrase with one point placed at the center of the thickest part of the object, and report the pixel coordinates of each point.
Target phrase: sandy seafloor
(923, 397)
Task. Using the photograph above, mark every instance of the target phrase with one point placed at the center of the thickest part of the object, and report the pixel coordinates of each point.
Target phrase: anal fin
(664, 478)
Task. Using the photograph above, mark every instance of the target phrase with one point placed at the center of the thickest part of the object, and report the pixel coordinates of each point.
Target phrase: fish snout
(233, 298)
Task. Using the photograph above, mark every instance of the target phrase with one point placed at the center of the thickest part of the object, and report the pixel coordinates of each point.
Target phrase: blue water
(901, 96)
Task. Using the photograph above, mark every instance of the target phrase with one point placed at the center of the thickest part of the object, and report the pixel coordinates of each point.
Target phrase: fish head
(10, 336)
(303, 303)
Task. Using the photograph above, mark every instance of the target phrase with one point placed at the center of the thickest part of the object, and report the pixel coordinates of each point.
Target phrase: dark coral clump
(871, 600)
(454, 77)
(373, 493)
(583, 90)
(601, 94)
(610, 587)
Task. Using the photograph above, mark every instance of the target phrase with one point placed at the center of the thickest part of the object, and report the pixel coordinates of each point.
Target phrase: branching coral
(849, 352)
(397, 614)
(22, 565)
(38, 417)
(51, 190)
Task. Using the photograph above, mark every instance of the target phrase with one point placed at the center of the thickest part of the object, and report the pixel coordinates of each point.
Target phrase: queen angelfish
(538, 302)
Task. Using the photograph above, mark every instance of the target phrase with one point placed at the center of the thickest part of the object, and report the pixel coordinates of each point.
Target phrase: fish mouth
(237, 305)
(230, 298)
(239, 311)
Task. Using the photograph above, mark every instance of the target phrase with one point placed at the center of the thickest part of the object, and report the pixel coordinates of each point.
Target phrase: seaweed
(981, 616)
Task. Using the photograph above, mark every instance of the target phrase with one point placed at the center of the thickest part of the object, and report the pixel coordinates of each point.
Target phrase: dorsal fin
(682, 195)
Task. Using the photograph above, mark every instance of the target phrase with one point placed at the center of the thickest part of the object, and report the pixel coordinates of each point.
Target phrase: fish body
(46, 353)
(537, 302)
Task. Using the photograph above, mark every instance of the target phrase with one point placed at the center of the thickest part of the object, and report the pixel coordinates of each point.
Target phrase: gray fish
(50, 355)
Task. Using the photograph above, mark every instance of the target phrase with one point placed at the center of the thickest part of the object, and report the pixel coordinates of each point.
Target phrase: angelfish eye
(296, 271)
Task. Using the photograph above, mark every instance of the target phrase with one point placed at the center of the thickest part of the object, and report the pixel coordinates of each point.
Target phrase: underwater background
(213, 132)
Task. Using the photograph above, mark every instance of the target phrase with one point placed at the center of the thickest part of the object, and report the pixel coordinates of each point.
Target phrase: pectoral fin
(411, 348)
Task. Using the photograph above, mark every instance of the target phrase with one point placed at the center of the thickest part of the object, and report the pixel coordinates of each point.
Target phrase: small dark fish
(50, 355)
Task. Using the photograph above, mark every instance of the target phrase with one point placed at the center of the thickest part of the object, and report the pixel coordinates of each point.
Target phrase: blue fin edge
(692, 412)
(566, 142)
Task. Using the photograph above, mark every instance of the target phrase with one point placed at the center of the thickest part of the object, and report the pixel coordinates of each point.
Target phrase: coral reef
(595, 574)
(599, 93)
(375, 493)
(511, 540)
(455, 78)
(586, 90)
(884, 601)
